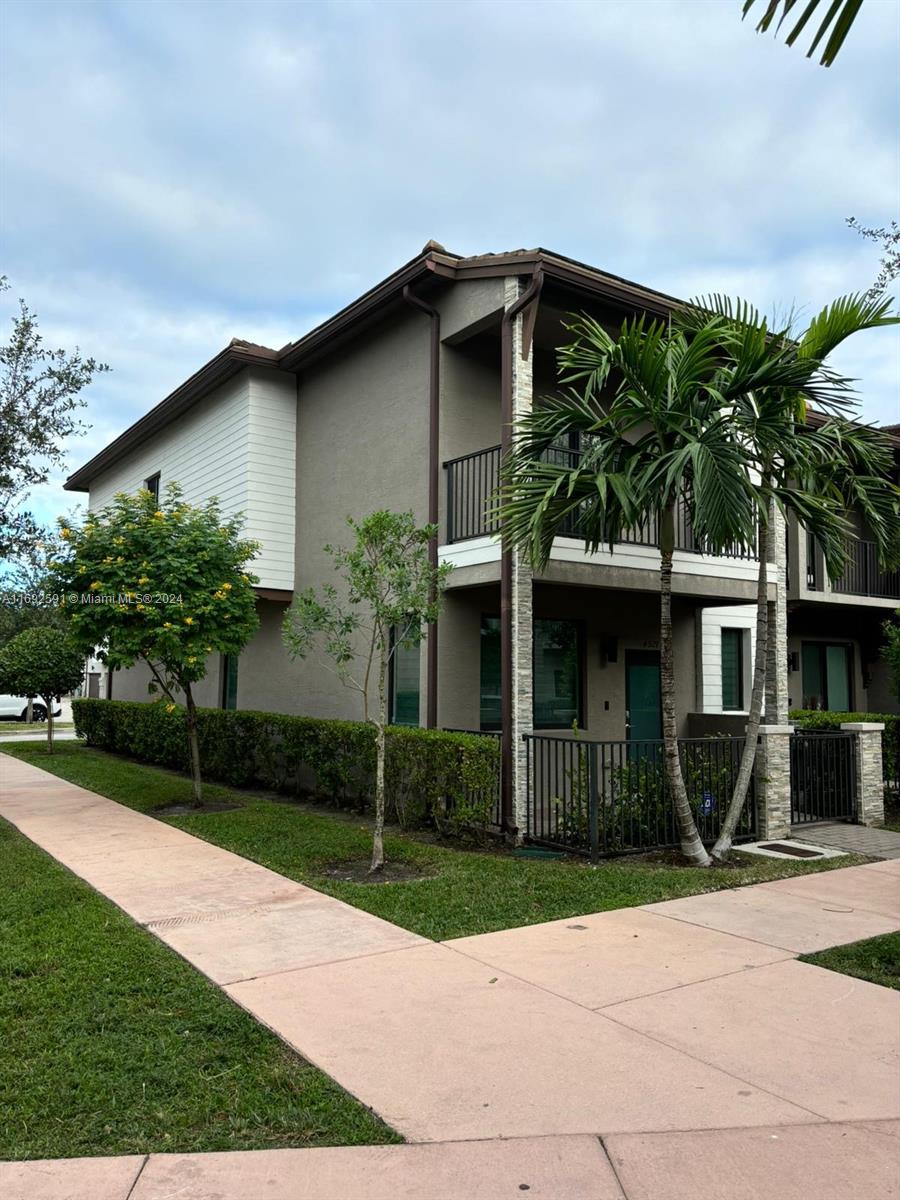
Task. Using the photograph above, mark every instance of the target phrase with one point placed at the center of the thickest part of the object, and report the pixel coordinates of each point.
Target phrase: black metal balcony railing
(864, 576)
(472, 481)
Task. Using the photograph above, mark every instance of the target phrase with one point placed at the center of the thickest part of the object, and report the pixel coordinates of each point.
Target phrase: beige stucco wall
(132, 684)
(631, 618)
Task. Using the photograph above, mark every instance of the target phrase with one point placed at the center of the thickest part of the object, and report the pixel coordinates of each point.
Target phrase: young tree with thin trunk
(165, 583)
(652, 410)
(41, 662)
(389, 591)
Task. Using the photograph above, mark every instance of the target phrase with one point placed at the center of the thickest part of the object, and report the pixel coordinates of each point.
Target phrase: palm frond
(839, 18)
(843, 317)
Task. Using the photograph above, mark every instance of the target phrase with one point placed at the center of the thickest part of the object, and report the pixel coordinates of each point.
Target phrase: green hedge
(808, 718)
(432, 777)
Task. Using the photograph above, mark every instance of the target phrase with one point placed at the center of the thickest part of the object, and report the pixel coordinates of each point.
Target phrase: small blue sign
(708, 804)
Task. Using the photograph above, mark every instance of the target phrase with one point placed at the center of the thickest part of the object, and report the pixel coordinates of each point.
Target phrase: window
(490, 673)
(229, 680)
(826, 676)
(558, 673)
(403, 685)
(732, 669)
(152, 485)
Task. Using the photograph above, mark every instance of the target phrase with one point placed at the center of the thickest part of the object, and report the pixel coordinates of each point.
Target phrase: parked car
(15, 708)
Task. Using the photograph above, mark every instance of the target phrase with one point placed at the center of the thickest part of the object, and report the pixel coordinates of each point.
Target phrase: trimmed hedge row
(808, 718)
(449, 780)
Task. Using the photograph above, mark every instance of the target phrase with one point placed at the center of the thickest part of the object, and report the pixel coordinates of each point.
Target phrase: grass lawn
(113, 1045)
(35, 727)
(459, 892)
(876, 959)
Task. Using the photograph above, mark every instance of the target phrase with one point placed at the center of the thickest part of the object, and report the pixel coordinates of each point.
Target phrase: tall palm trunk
(691, 846)
(748, 757)
(194, 747)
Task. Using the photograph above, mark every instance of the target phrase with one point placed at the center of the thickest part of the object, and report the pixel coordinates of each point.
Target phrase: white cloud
(178, 174)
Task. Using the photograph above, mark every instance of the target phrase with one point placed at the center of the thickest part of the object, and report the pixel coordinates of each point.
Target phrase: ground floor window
(732, 669)
(403, 689)
(558, 673)
(826, 676)
(229, 680)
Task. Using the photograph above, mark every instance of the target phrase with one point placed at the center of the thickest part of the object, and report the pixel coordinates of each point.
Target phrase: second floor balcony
(472, 481)
(863, 576)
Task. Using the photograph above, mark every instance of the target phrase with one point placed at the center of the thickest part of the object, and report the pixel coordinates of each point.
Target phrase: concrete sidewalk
(829, 1162)
(686, 1015)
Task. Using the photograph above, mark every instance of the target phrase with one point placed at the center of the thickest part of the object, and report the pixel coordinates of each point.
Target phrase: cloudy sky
(174, 174)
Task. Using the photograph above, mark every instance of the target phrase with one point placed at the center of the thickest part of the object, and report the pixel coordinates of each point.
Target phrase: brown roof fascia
(279, 595)
(388, 289)
(226, 363)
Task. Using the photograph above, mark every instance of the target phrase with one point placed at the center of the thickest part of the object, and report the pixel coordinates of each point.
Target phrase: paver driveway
(686, 1015)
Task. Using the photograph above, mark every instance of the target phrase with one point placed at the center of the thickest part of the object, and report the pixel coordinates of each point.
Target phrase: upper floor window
(152, 485)
(732, 669)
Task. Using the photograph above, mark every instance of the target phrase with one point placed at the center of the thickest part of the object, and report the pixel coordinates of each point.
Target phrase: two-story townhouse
(404, 400)
(834, 628)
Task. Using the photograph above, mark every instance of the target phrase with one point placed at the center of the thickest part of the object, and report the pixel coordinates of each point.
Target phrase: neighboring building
(402, 401)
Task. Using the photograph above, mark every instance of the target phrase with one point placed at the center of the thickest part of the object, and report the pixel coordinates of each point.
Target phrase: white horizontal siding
(272, 475)
(714, 620)
(239, 445)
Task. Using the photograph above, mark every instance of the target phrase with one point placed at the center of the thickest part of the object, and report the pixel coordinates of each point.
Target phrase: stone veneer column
(522, 607)
(869, 772)
(776, 709)
(772, 780)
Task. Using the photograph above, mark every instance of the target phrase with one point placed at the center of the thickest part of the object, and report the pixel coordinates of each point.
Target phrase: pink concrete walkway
(634, 1025)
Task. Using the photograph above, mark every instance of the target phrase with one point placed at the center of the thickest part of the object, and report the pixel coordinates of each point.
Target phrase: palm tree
(652, 408)
(815, 472)
(841, 12)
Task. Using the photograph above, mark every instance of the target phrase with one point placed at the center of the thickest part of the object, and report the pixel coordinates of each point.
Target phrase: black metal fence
(606, 798)
(473, 479)
(493, 805)
(823, 776)
(471, 483)
(863, 575)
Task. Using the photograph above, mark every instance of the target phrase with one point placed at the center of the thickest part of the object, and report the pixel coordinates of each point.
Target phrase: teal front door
(643, 719)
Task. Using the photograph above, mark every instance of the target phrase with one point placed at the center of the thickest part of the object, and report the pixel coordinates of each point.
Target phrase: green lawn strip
(37, 727)
(461, 891)
(876, 959)
(112, 1044)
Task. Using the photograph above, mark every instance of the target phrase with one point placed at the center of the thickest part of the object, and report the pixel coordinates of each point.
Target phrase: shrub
(806, 718)
(432, 777)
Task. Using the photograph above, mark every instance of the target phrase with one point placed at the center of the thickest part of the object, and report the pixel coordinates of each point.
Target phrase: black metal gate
(823, 776)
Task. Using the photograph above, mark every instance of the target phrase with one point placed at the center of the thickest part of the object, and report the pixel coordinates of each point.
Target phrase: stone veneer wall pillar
(773, 781)
(522, 604)
(869, 772)
(777, 702)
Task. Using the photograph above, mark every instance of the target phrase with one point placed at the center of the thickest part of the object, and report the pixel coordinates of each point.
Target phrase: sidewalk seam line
(659, 1041)
(140, 1172)
(328, 963)
(725, 1071)
(743, 936)
(612, 1166)
(789, 956)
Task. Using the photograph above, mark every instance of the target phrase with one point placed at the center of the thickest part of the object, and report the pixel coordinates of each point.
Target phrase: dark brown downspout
(434, 429)
(531, 293)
